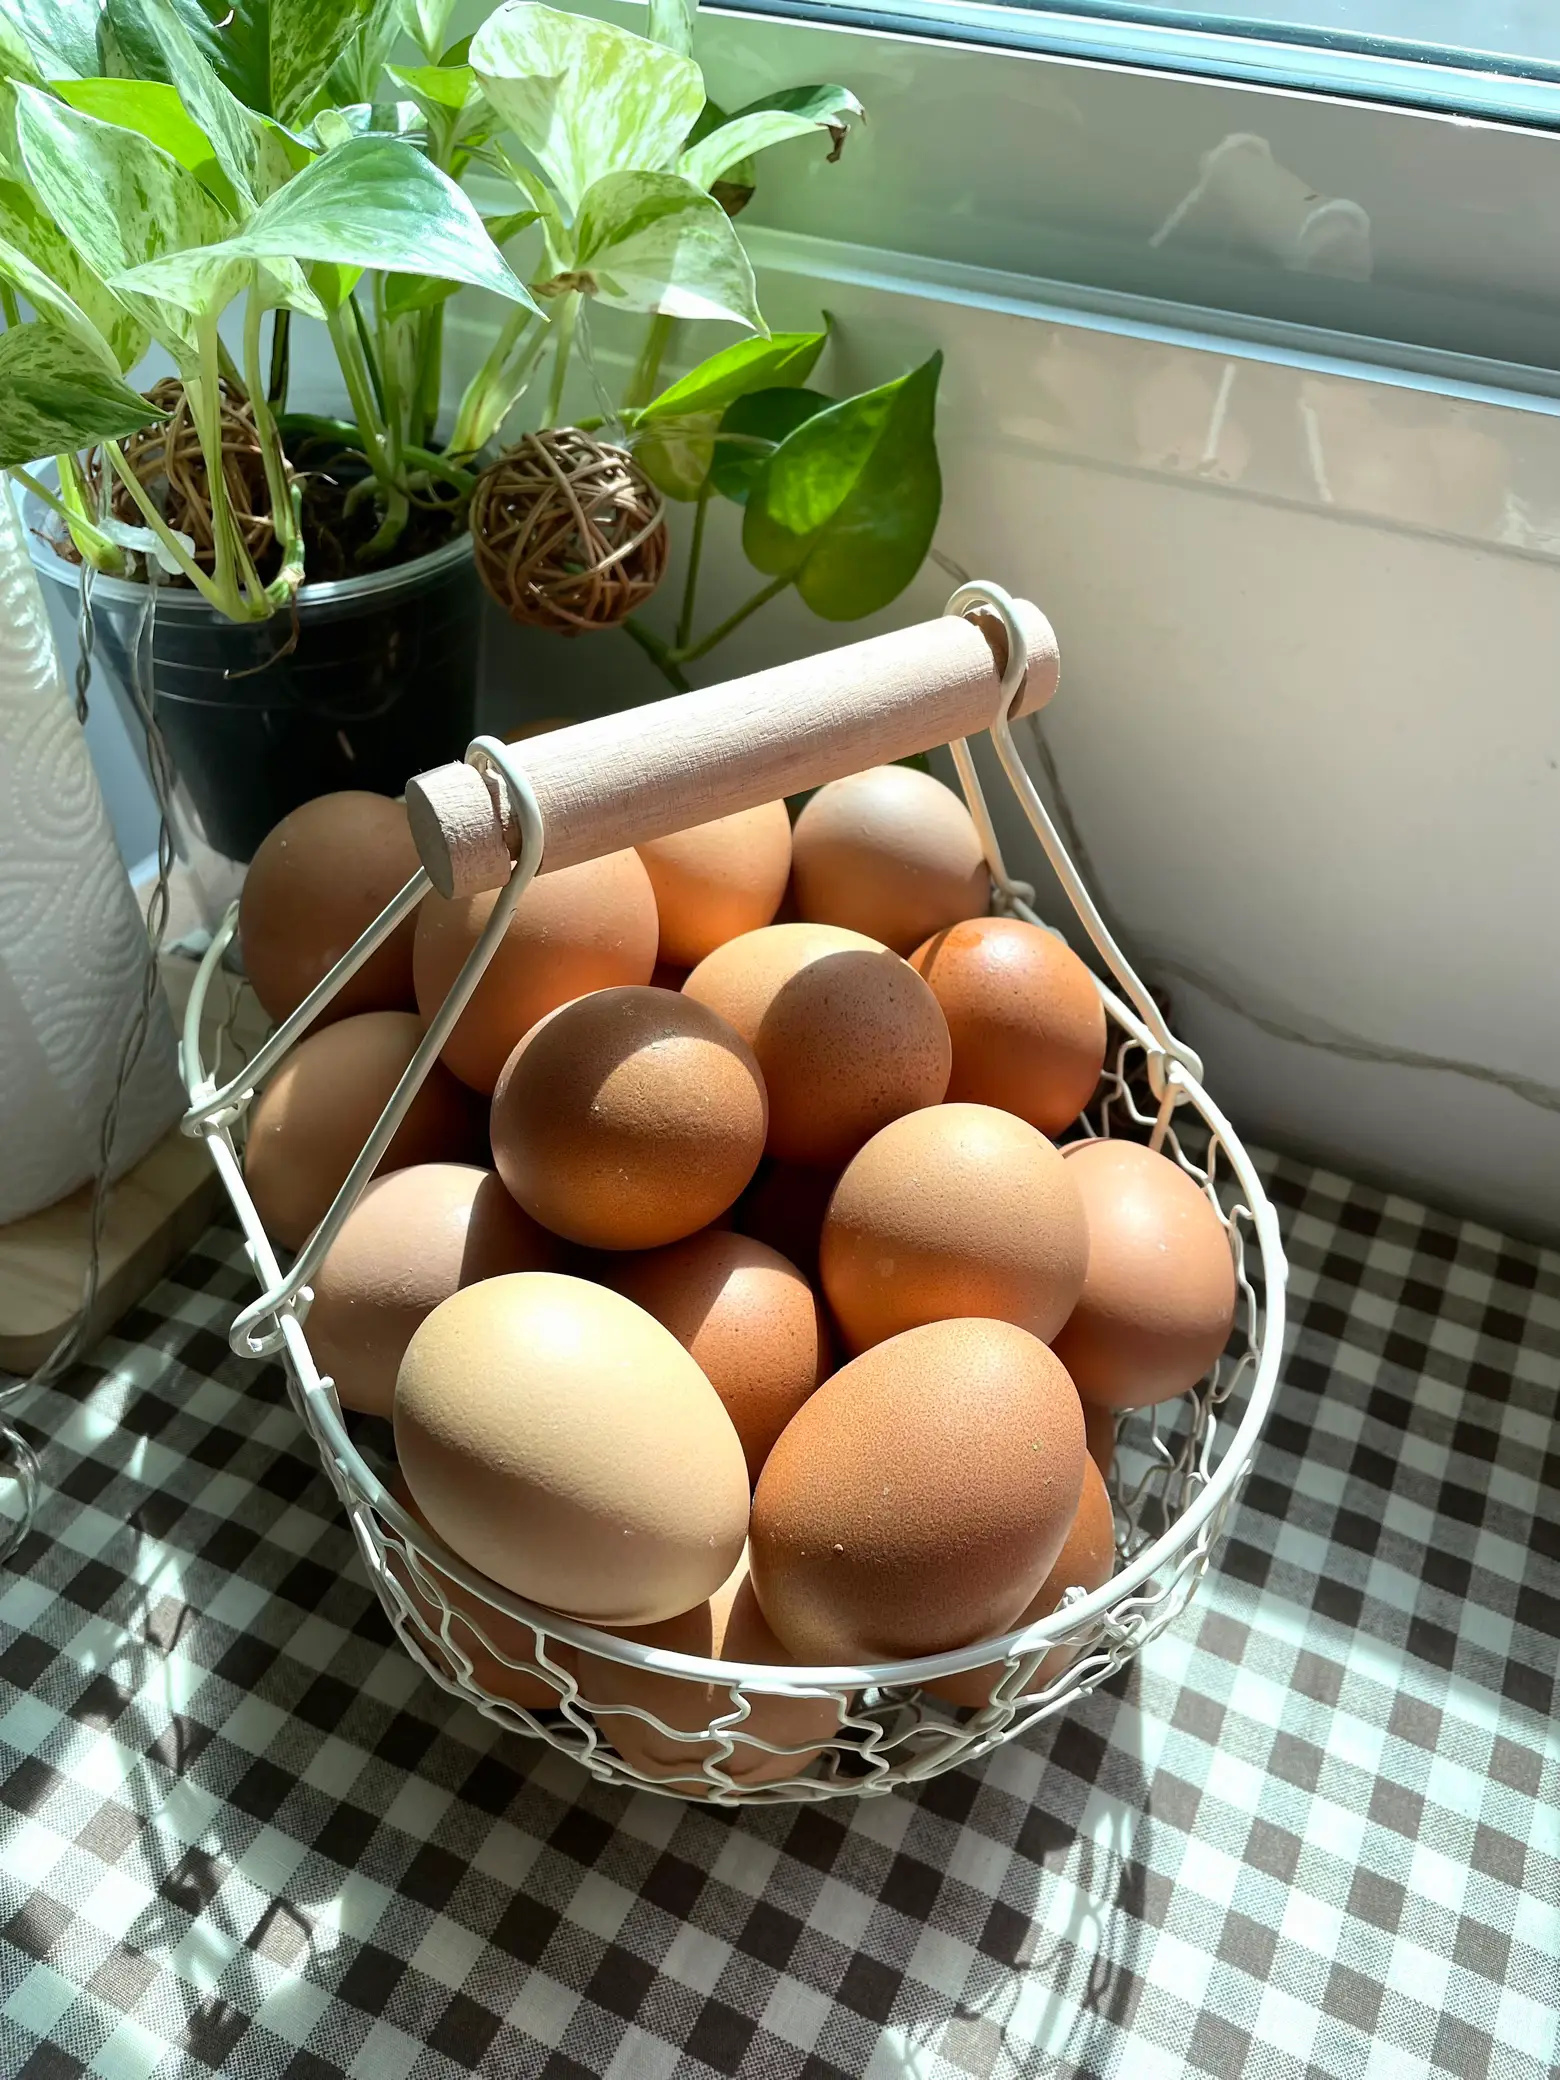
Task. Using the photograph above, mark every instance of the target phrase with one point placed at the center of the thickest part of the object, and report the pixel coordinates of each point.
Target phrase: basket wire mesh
(750, 1733)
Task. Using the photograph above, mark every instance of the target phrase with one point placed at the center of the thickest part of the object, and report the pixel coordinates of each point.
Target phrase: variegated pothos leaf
(655, 242)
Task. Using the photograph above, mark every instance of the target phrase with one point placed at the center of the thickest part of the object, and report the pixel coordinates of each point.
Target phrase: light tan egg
(748, 1319)
(1024, 1016)
(1087, 1561)
(729, 1627)
(310, 1122)
(484, 1649)
(718, 880)
(629, 1118)
(564, 1443)
(315, 885)
(846, 1033)
(918, 1500)
(957, 1210)
(414, 1237)
(1158, 1303)
(890, 852)
(587, 927)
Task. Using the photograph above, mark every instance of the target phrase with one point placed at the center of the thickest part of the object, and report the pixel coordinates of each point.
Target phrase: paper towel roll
(72, 943)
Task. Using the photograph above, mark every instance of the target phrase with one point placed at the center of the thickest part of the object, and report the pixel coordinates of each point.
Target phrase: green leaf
(371, 202)
(781, 361)
(848, 503)
(585, 98)
(333, 126)
(450, 88)
(675, 454)
(763, 415)
(42, 264)
(716, 154)
(671, 23)
(60, 37)
(332, 284)
(356, 74)
(212, 106)
(151, 107)
(56, 396)
(274, 55)
(826, 107)
(428, 23)
(654, 242)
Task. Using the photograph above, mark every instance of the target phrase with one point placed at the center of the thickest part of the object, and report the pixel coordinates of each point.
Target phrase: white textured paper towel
(72, 943)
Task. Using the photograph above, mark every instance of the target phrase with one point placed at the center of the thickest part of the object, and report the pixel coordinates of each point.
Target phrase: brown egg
(847, 1035)
(491, 1634)
(1087, 1561)
(564, 1443)
(729, 1627)
(314, 887)
(414, 1237)
(890, 852)
(310, 1122)
(718, 880)
(630, 1118)
(747, 1318)
(583, 928)
(784, 1206)
(918, 1500)
(1099, 1430)
(1025, 1018)
(958, 1210)
(1159, 1299)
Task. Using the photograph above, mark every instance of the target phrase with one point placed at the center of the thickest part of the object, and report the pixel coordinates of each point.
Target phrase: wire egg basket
(730, 1732)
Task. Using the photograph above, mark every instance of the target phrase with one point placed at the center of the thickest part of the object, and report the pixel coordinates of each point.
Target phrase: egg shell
(489, 1634)
(730, 1627)
(1159, 1300)
(314, 886)
(1024, 1016)
(747, 1318)
(957, 1210)
(1087, 1561)
(564, 1443)
(414, 1237)
(629, 1118)
(718, 880)
(784, 1206)
(890, 852)
(846, 1033)
(311, 1120)
(918, 1500)
(587, 927)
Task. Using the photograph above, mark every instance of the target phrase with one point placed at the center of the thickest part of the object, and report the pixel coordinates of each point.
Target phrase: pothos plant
(169, 165)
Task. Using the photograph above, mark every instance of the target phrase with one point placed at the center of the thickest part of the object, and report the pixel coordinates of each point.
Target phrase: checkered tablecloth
(1315, 1830)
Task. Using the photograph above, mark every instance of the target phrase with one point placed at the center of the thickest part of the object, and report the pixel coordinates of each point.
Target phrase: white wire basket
(737, 1733)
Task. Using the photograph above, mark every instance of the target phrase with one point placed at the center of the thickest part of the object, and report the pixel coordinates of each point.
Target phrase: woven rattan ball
(570, 533)
(169, 461)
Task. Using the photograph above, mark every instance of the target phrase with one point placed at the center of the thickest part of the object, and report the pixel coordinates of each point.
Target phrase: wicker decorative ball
(570, 533)
(169, 461)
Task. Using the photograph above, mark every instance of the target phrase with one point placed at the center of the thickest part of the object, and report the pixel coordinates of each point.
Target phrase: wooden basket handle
(623, 779)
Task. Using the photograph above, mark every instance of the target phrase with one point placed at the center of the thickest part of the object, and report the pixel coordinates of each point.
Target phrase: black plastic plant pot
(380, 684)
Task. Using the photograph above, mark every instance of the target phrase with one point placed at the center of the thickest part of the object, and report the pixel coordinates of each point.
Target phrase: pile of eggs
(725, 1284)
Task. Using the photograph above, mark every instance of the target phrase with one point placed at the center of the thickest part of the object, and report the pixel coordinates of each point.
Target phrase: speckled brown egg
(847, 1034)
(957, 1210)
(485, 1649)
(587, 927)
(315, 885)
(718, 880)
(890, 852)
(414, 1237)
(1024, 1016)
(311, 1120)
(629, 1119)
(1158, 1302)
(749, 1320)
(1087, 1561)
(920, 1498)
(564, 1443)
(729, 1627)
(784, 1206)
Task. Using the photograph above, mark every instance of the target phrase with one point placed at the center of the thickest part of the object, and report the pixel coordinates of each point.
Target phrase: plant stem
(657, 652)
(233, 575)
(107, 556)
(563, 326)
(647, 370)
(497, 383)
(463, 480)
(281, 360)
(719, 634)
(366, 350)
(285, 498)
(8, 304)
(159, 527)
(701, 509)
(354, 373)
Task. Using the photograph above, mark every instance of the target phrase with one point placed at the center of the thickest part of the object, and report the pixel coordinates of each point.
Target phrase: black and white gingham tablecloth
(1315, 1830)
